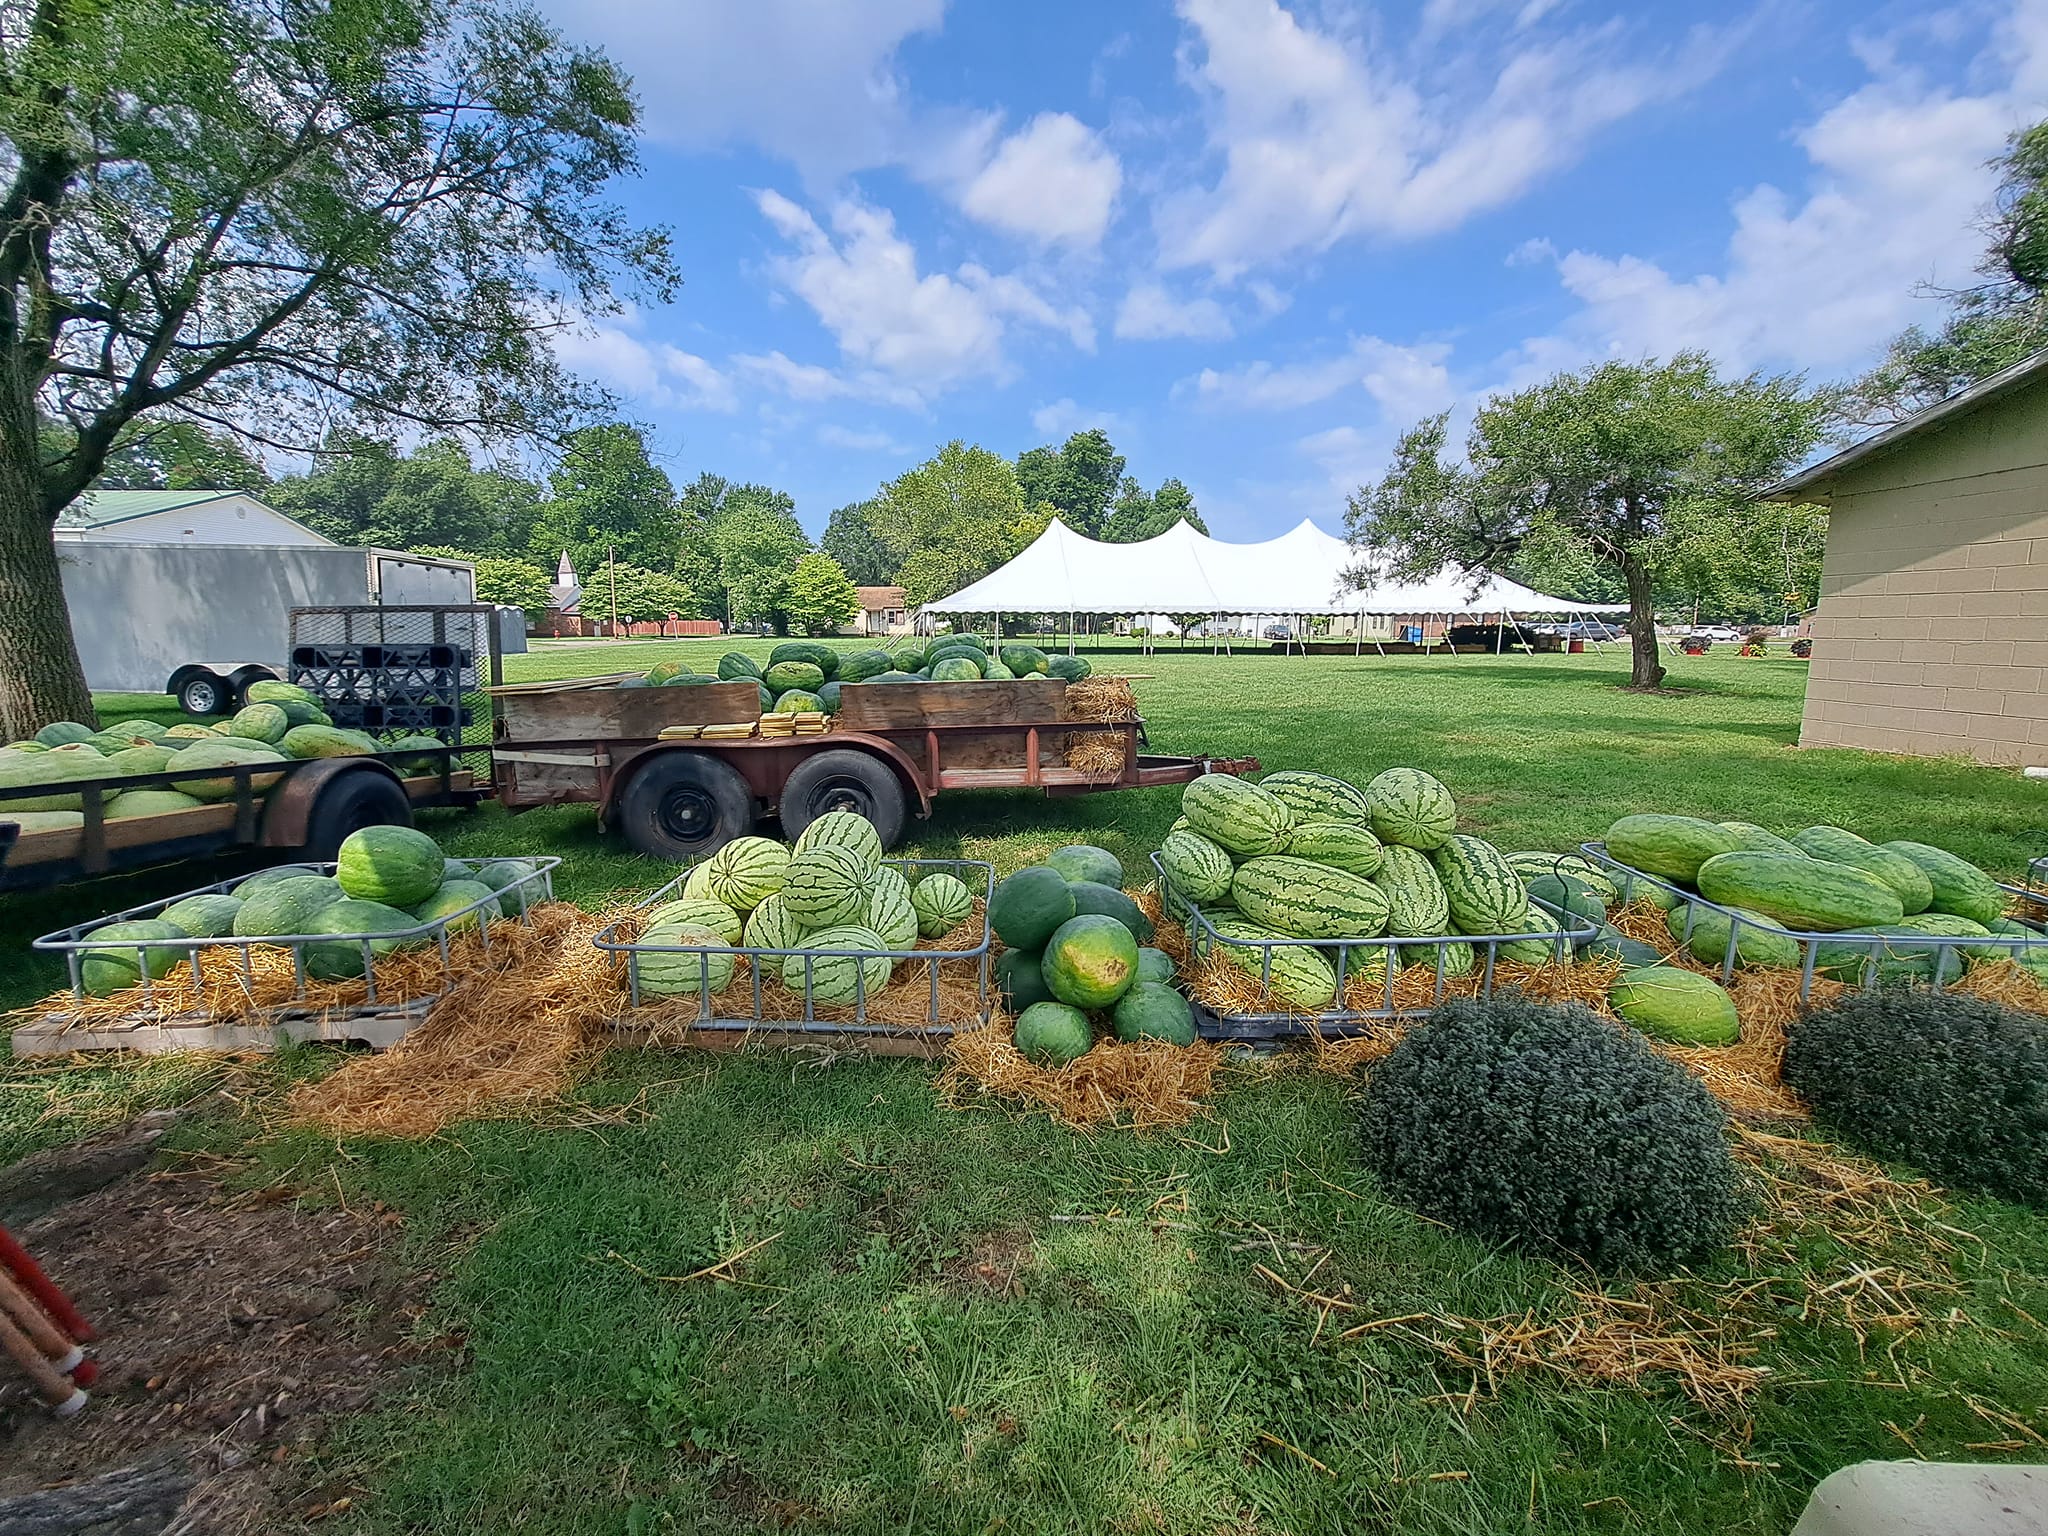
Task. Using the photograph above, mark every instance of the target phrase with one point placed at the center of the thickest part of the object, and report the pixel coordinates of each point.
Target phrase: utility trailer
(893, 748)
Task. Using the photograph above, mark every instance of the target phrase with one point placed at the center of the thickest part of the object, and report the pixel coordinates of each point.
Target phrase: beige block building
(1932, 631)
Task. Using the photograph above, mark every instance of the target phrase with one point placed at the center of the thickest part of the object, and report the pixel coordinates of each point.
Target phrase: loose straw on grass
(1145, 1084)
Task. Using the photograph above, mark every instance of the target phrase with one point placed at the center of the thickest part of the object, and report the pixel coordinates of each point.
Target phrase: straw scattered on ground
(1145, 1084)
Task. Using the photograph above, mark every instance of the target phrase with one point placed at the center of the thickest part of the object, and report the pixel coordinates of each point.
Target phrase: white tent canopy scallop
(1182, 571)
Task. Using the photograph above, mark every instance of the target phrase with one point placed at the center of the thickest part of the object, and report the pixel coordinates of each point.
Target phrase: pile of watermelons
(282, 722)
(808, 674)
(386, 880)
(1075, 953)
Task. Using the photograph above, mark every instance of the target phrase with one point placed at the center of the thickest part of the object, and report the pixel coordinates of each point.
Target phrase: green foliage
(177, 455)
(1078, 480)
(1946, 1082)
(609, 501)
(737, 546)
(819, 597)
(1138, 515)
(514, 583)
(950, 521)
(850, 539)
(640, 594)
(1547, 1128)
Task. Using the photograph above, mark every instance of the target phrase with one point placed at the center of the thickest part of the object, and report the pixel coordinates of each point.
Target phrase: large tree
(1629, 464)
(609, 500)
(176, 455)
(634, 593)
(819, 596)
(1140, 515)
(259, 215)
(360, 491)
(950, 521)
(1078, 480)
(850, 539)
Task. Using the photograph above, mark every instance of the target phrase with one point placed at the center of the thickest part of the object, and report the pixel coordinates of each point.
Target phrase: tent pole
(1500, 632)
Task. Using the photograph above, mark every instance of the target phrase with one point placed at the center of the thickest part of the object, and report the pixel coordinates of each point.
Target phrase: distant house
(180, 517)
(1932, 630)
(882, 612)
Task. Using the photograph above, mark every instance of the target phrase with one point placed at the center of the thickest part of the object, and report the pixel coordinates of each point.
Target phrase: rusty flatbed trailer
(892, 749)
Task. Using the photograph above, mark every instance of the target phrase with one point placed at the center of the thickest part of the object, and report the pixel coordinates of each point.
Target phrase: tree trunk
(41, 679)
(1647, 671)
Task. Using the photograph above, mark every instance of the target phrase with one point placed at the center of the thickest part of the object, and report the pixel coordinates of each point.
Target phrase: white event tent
(1181, 571)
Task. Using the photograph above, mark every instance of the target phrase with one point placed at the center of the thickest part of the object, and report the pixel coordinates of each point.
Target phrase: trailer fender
(290, 813)
(767, 764)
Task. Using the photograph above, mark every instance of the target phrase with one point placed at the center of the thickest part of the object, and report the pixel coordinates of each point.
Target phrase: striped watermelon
(1317, 796)
(839, 979)
(1458, 959)
(1308, 901)
(680, 974)
(745, 872)
(942, 903)
(736, 666)
(826, 886)
(1301, 979)
(844, 829)
(1411, 808)
(698, 912)
(1485, 895)
(1416, 905)
(1533, 865)
(698, 881)
(1536, 951)
(769, 926)
(1238, 817)
(1197, 869)
(1340, 844)
(890, 912)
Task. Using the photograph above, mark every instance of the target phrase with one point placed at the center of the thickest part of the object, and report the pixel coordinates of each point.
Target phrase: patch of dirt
(992, 1263)
(234, 1328)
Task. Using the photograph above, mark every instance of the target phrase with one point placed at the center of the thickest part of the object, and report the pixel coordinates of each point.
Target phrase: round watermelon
(399, 866)
(502, 876)
(453, 896)
(956, 669)
(672, 969)
(1053, 1034)
(942, 904)
(890, 911)
(1151, 1010)
(1091, 961)
(798, 701)
(844, 829)
(1020, 978)
(149, 802)
(746, 872)
(1154, 965)
(1084, 861)
(1111, 902)
(736, 667)
(249, 887)
(110, 969)
(285, 908)
(769, 926)
(1029, 905)
(342, 958)
(825, 887)
(261, 722)
(698, 912)
(210, 916)
(785, 675)
(838, 980)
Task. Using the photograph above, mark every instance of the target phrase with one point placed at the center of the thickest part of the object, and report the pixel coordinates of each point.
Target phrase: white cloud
(832, 435)
(653, 374)
(811, 80)
(1405, 382)
(1150, 313)
(926, 331)
(1322, 140)
(1053, 181)
(1063, 418)
(810, 382)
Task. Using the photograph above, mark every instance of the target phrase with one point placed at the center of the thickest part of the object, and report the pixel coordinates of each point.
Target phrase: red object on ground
(15, 1259)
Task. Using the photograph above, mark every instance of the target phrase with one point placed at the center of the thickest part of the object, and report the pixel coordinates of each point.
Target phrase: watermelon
(1484, 894)
(1154, 1011)
(107, 744)
(1301, 979)
(269, 690)
(208, 916)
(1804, 894)
(1960, 888)
(1092, 896)
(1024, 660)
(285, 908)
(399, 866)
(186, 732)
(21, 770)
(310, 741)
(942, 903)
(1318, 797)
(662, 671)
(848, 830)
(1677, 1005)
(1567, 893)
(1196, 868)
(144, 802)
(1411, 808)
(1885, 956)
(1613, 944)
(1416, 905)
(222, 754)
(956, 669)
(43, 821)
(1084, 861)
(138, 730)
(837, 980)
(408, 755)
(1670, 847)
(806, 652)
(1946, 925)
(785, 675)
(369, 925)
(1052, 1034)
(1068, 669)
(139, 760)
(1154, 964)
(1759, 941)
(767, 700)
(908, 656)
(828, 698)
(254, 883)
(1838, 845)
(769, 926)
(738, 667)
(897, 677)
(1238, 817)
(746, 872)
(797, 701)
(826, 887)
(1029, 905)
(1756, 839)
(1020, 978)
(890, 912)
(996, 672)
(1455, 958)
(697, 912)
(261, 722)
(859, 666)
(452, 898)
(1309, 901)
(1342, 845)
(63, 733)
(1536, 951)
(111, 969)
(683, 961)
(502, 876)
(1090, 961)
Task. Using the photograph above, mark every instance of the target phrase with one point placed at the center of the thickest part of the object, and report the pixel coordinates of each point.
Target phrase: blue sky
(1255, 241)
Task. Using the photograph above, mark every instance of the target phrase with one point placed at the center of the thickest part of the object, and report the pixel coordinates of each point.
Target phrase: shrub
(1549, 1128)
(1953, 1085)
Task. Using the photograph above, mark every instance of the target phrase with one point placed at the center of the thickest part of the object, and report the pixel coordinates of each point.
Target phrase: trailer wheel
(205, 693)
(844, 780)
(350, 803)
(683, 805)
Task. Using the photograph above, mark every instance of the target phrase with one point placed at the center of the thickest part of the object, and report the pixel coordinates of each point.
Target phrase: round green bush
(1956, 1086)
(1549, 1129)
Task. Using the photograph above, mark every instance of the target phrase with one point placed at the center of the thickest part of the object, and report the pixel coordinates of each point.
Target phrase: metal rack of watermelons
(893, 1002)
(159, 993)
(1387, 993)
(1899, 956)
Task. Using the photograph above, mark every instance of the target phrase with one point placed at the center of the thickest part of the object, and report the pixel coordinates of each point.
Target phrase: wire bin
(399, 670)
(1863, 961)
(1429, 956)
(771, 1005)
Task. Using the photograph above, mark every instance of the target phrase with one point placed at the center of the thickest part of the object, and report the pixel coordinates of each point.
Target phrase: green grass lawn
(972, 1320)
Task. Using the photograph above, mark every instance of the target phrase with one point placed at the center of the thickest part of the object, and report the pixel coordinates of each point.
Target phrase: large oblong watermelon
(1411, 808)
(365, 924)
(399, 866)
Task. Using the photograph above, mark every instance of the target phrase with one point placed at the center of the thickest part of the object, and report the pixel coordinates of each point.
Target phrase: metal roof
(1814, 484)
(97, 509)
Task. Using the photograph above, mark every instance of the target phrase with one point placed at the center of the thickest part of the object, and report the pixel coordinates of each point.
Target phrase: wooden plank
(561, 685)
(1014, 778)
(60, 1036)
(128, 832)
(901, 706)
(634, 714)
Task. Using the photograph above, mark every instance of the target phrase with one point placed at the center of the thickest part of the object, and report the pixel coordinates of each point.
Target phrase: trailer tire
(348, 804)
(200, 692)
(683, 805)
(845, 780)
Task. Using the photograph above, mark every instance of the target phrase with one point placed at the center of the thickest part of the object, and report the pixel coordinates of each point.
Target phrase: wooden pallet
(380, 1028)
(917, 1044)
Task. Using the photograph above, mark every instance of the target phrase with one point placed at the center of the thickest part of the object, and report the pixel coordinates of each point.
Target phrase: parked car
(1719, 632)
(1279, 632)
(1590, 629)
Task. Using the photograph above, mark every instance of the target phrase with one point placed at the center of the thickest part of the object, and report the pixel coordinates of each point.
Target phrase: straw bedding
(1101, 701)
